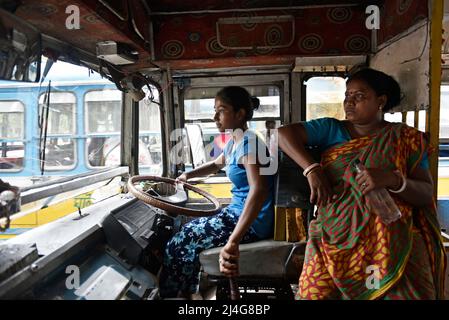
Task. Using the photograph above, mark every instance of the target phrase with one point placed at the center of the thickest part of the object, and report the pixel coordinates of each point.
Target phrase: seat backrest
(293, 210)
(292, 188)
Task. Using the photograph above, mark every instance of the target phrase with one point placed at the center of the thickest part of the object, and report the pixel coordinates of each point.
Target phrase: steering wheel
(172, 203)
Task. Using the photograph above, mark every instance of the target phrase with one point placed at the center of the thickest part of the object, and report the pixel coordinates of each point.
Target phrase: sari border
(443, 257)
(393, 280)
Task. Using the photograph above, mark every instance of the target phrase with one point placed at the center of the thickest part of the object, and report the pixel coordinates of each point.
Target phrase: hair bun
(255, 102)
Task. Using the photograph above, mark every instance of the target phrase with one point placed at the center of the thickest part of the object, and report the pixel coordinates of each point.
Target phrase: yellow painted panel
(58, 210)
(443, 187)
(53, 212)
(219, 190)
(26, 221)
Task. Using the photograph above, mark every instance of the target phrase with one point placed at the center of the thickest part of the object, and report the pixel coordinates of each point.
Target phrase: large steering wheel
(172, 203)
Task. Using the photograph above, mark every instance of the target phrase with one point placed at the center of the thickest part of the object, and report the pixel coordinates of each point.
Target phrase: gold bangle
(403, 184)
(310, 168)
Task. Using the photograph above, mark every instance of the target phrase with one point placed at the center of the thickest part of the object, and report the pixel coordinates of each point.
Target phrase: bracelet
(403, 184)
(310, 168)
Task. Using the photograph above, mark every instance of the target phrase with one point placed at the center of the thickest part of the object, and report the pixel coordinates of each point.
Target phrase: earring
(381, 107)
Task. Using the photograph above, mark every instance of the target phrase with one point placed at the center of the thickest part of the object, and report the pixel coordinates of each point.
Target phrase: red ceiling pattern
(97, 23)
(318, 31)
(186, 40)
(399, 15)
(192, 5)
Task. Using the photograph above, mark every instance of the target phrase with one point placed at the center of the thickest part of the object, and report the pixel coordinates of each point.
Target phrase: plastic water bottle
(380, 201)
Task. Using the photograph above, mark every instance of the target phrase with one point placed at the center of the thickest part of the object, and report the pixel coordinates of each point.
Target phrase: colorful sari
(350, 253)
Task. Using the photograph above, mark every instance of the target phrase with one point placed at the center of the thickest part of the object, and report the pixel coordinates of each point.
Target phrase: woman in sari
(351, 253)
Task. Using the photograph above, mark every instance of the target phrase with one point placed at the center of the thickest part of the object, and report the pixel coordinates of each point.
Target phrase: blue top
(328, 132)
(264, 223)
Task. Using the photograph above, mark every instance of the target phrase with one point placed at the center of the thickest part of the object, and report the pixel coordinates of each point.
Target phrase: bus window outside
(199, 108)
(150, 137)
(444, 122)
(103, 124)
(324, 97)
(80, 125)
(59, 144)
(443, 163)
(11, 135)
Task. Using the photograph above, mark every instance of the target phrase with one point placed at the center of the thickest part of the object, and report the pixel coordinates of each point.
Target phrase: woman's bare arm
(258, 192)
(208, 168)
(419, 190)
(292, 139)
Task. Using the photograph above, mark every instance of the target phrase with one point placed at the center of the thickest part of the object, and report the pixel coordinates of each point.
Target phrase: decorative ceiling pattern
(195, 5)
(182, 35)
(399, 15)
(317, 31)
(97, 23)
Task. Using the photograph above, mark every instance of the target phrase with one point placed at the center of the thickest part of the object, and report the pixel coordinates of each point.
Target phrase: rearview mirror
(195, 136)
(20, 49)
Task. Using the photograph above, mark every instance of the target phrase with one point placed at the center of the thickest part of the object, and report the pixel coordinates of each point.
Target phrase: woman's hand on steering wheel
(229, 259)
(182, 178)
(321, 191)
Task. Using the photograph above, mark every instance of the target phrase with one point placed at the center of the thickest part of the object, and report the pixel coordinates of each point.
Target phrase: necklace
(356, 134)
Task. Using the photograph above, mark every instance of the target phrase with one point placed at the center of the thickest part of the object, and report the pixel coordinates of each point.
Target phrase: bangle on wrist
(310, 168)
(403, 182)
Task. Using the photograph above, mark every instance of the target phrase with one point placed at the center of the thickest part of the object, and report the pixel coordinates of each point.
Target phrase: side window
(268, 116)
(324, 97)
(444, 122)
(199, 109)
(410, 119)
(150, 133)
(103, 124)
(393, 117)
(12, 134)
(60, 151)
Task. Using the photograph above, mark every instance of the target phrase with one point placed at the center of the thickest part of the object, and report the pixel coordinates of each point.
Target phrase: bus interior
(102, 101)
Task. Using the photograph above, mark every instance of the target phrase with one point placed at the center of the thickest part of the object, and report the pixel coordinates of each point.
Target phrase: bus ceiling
(144, 35)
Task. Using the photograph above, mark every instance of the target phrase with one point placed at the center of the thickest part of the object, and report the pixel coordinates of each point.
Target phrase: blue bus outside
(80, 129)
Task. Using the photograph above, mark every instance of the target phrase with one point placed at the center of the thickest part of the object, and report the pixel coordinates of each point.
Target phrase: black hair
(381, 83)
(239, 98)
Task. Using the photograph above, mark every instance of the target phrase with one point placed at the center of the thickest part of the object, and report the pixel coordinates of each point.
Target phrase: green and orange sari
(350, 253)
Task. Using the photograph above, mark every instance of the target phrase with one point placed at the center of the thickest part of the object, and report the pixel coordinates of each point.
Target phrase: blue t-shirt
(328, 132)
(250, 144)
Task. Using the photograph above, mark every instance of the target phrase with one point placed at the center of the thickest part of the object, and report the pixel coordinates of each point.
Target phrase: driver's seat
(267, 268)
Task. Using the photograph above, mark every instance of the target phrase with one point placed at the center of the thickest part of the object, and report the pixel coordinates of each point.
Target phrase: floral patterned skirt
(181, 265)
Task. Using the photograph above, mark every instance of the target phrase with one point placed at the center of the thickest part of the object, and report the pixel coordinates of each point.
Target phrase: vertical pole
(416, 123)
(433, 118)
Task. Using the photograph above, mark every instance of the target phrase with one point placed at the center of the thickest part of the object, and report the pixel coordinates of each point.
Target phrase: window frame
(281, 81)
(22, 140)
(105, 135)
(306, 77)
(72, 135)
(162, 133)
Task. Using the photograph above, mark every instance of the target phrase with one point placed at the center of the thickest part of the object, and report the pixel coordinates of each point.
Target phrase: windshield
(67, 126)
(73, 130)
